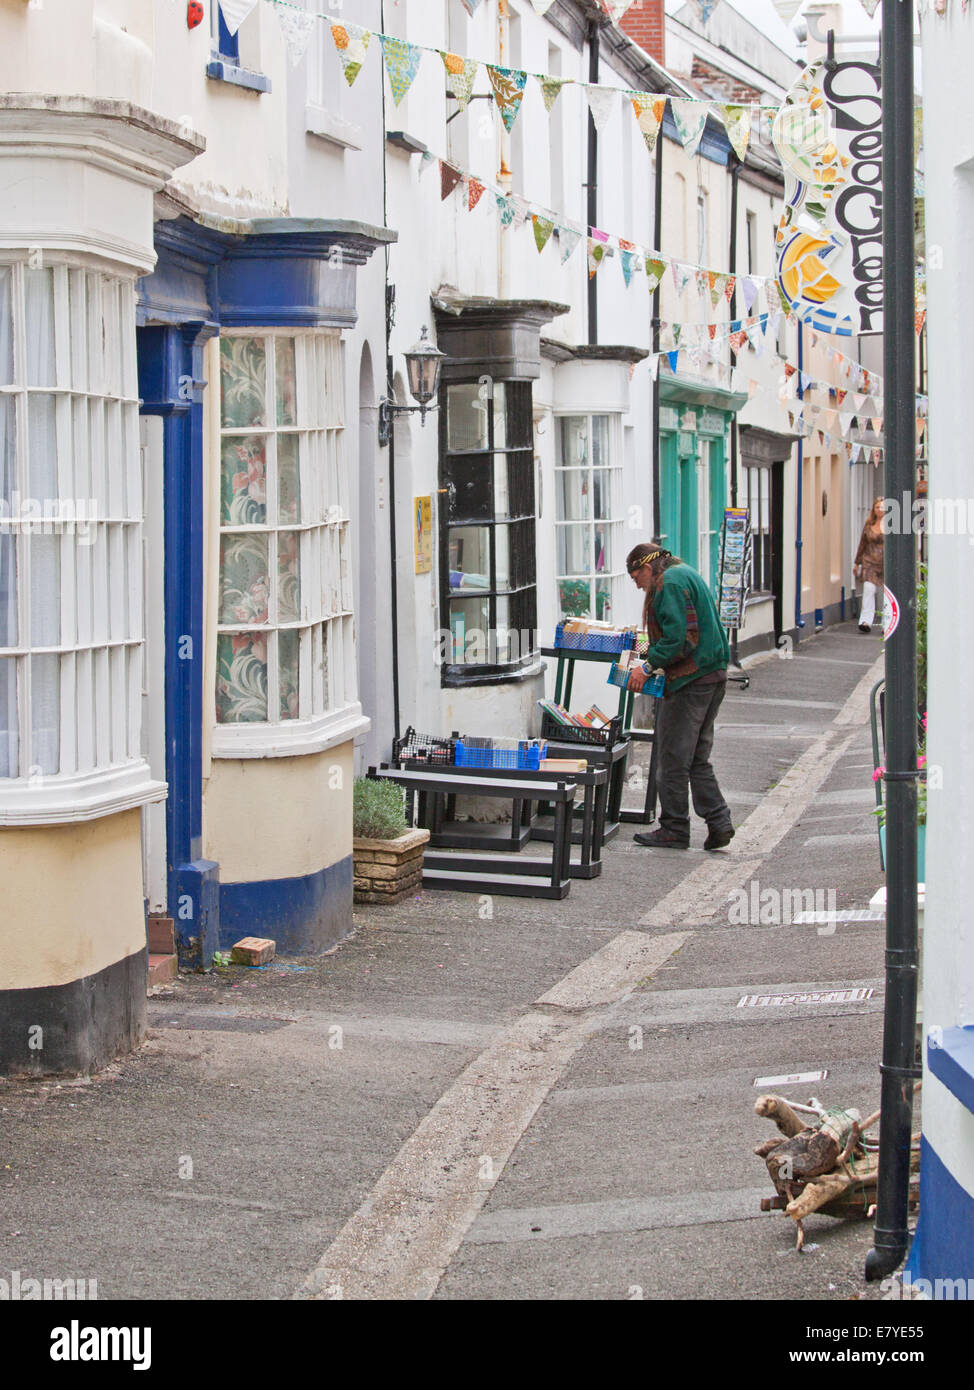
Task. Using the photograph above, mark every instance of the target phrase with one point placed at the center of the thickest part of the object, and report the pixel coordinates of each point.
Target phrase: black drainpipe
(892, 1237)
(593, 179)
(735, 172)
(657, 239)
(390, 393)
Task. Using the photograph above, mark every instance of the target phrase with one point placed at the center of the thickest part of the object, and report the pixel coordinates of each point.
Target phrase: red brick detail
(644, 22)
(162, 969)
(720, 84)
(253, 950)
(162, 936)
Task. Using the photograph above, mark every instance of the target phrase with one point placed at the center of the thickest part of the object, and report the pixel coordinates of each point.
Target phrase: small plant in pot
(388, 856)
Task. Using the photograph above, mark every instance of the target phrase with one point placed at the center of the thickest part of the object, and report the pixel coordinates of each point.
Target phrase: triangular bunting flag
(715, 282)
(655, 269)
(235, 12)
(449, 178)
(551, 89)
(352, 42)
(508, 85)
(673, 358)
(649, 111)
(870, 6)
(475, 191)
(737, 123)
(522, 209)
(630, 262)
(505, 210)
(731, 281)
(704, 9)
(806, 380)
(470, 6)
(542, 6)
(402, 64)
(601, 101)
(702, 278)
(569, 239)
(653, 364)
(461, 74)
(787, 9)
(543, 227)
(689, 117)
(596, 255)
(750, 292)
(877, 424)
(296, 26)
(682, 275)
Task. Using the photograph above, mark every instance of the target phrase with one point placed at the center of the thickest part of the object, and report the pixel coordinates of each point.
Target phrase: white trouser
(867, 614)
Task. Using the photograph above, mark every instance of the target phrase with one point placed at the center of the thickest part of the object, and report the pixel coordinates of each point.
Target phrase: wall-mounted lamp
(423, 365)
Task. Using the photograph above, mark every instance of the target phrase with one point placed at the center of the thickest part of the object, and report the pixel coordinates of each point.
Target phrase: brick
(162, 969)
(161, 935)
(253, 950)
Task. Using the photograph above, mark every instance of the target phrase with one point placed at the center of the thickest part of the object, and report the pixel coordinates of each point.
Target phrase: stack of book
(593, 718)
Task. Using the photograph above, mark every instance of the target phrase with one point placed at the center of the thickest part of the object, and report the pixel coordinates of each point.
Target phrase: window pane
(243, 490)
(501, 431)
(243, 382)
(507, 639)
(601, 549)
(603, 600)
(44, 605)
(602, 494)
(575, 598)
(287, 660)
(42, 463)
(469, 491)
(574, 441)
(466, 417)
(45, 708)
(7, 441)
(39, 311)
(502, 491)
(243, 579)
(9, 735)
(574, 502)
(470, 558)
(600, 441)
(6, 331)
(288, 478)
(285, 384)
(288, 578)
(502, 557)
(241, 681)
(574, 550)
(8, 590)
(469, 624)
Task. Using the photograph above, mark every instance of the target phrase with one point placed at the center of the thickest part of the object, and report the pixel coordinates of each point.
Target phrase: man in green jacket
(689, 644)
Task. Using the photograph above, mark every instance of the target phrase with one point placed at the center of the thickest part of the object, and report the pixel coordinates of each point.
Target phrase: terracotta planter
(386, 871)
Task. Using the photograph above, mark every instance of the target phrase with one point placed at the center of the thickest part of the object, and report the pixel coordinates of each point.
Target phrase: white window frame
(615, 566)
(98, 645)
(327, 88)
(327, 718)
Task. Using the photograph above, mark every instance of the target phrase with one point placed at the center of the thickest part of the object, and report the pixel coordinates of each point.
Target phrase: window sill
(322, 123)
(460, 677)
(83, 797)
(297, 740)
(754, 599)
(220, 70)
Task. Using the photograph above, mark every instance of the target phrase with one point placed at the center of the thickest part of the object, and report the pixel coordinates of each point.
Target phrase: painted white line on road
(850, 838)
(795, 1078)
(401, 1240)
(620, 1214)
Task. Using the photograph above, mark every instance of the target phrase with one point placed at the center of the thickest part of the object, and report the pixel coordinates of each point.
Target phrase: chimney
(643, 22)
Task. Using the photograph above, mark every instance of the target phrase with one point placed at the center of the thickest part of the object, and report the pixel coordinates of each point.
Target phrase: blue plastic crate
(612, 642)
(526, 757)
(655, 685)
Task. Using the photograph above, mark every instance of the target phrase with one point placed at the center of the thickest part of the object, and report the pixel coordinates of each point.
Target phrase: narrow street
(505, 1099)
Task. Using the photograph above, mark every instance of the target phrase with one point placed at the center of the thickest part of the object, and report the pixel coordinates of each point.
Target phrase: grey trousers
(684, 740)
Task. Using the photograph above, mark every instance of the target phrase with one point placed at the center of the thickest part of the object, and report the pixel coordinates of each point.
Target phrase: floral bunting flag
(596, 255)
(522, 209)
(551, 89)
(716, 283)
(655, 269)
(470, 6)
(352, 42)
(682, 275)
(508, 85)
(702, 282)
(402, 64)
(543, 227)
(737, 123)
(704, 9)
(629, 260)
(505, 210)
(919, 319)
(737, 340)
(689, 117)
(569, 239)
(475, 191)
(461, 74)
(712, 330)
(235, 12)
(601, 101)
(449, 178)
(649, 111)
(296, 26)
(729, 282)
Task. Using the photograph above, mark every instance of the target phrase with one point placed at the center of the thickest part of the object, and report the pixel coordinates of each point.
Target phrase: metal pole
(891, 1239)
(657, 240)
(735, 174)
(593, 180)
(390, 392)
(799, 622)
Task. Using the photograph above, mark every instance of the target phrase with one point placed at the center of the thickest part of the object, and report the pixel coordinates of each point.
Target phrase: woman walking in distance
(868, 564)
(689, 644)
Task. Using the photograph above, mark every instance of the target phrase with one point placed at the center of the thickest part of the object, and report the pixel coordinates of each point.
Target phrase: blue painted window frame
(224, 64)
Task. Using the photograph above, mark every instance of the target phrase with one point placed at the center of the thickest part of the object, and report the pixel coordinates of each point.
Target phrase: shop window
(487, 530)
(588, 526)
(71, 506)
(285, 643)
(759, 505)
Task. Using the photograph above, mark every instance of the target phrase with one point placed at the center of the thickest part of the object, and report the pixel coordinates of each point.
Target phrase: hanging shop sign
(828, 244)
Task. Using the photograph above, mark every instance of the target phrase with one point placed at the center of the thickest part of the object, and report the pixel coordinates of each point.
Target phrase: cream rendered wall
(79, 887)
(279, 818)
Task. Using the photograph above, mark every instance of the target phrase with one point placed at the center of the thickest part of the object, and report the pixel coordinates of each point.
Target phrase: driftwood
(823, 1166)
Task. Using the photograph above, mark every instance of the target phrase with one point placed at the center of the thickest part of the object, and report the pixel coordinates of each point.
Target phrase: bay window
(588, 526)
(487, 551)
(71, 506)
(285, 641)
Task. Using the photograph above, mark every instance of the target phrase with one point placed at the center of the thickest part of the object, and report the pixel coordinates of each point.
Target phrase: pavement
(503, 1098)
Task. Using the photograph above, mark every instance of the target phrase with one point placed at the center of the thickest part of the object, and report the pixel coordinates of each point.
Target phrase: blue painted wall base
(943, 1247)
(305, 916)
